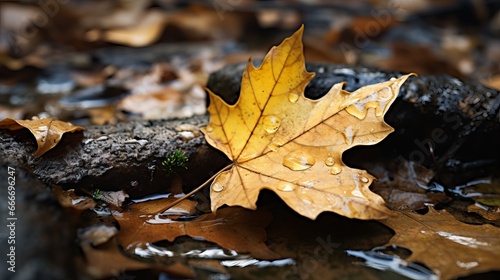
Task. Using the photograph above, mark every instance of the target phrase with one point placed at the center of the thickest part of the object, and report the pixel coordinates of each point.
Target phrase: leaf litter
(450, 248)
(233, 228)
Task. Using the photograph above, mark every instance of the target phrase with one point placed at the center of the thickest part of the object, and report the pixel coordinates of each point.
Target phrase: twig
(195, 190)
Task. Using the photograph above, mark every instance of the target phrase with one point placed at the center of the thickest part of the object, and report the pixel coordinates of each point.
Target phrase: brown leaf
(232, 228)
(68, 199)
(489, 213)
(282, 141)
(107, 261)
(48, 132)
(450, 248)
(406, 187)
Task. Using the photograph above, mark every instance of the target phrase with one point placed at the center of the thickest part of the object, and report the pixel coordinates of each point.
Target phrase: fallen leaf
(485, 191)
(449, 247)
(282, 141)
(115, 198)
(97, 234)
(48, 132)
(104, 115)
(489, 213)
(68, 199)
(404, 184)
(107, 261)
(232, 228)
(493, 82)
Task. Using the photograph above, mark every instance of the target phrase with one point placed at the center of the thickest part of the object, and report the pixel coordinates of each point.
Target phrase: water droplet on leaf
(209, 128)
(299, 160)
(271, 124)
(306, 201)
(385, 94)
(329, 161)
(286, 186)
(364, 180)
(348, 134)
(336, 169)
(293, 97)
(216, 187)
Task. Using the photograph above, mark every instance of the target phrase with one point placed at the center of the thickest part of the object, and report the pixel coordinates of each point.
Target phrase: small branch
(195, 190)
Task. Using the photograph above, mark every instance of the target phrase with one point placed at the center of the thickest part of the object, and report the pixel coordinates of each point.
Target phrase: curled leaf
(48, 132)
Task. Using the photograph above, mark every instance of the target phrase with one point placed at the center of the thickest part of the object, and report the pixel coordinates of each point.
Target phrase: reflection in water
(393, 263)
(258, 263)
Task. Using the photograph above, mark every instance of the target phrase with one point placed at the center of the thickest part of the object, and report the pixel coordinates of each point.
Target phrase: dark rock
(110, 157)
(44, 239)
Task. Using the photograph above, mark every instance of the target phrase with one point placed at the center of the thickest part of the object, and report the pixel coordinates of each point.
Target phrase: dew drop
(299, 160)
(336, 169)
(286, 186)
(271, 123)
(307, 201)
(364, 180)
(353, 110)
(348, 135)
(293, 97)
(209, 128)
(217, 187)
(329, 161)
(385, 94)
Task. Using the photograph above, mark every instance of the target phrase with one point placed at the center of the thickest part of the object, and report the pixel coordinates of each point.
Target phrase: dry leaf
(232, 228)
(48, 132)
(282, 141)
(143, 33)
(449, 247)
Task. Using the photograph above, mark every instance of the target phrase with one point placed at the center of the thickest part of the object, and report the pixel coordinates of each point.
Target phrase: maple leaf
(449, 247)
(233, 228)
(281, 141)
(48, 132)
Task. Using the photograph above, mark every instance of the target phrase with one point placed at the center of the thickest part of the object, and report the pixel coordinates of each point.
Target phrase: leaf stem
(195, 190)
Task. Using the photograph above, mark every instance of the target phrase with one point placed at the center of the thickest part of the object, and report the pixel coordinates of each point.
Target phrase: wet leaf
(107, 261)
(97, 234)
(115, 198)
(48, 132)
(68, 199)
(404, 185)
(486, 191)
(232, 228)
(450, 248)
(489, 213)
(282, 141)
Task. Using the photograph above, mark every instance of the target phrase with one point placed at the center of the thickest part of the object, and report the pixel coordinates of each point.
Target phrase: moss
(175, 161)
(96, 194)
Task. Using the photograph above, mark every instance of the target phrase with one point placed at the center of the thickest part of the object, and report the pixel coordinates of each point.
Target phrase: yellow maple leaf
(281, 141)
(48, 132)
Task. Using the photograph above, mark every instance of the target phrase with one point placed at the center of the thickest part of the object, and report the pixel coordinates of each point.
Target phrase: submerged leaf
(48, 132)
(282, 141)
(107, 260)
(233, 228)
(449, 247)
